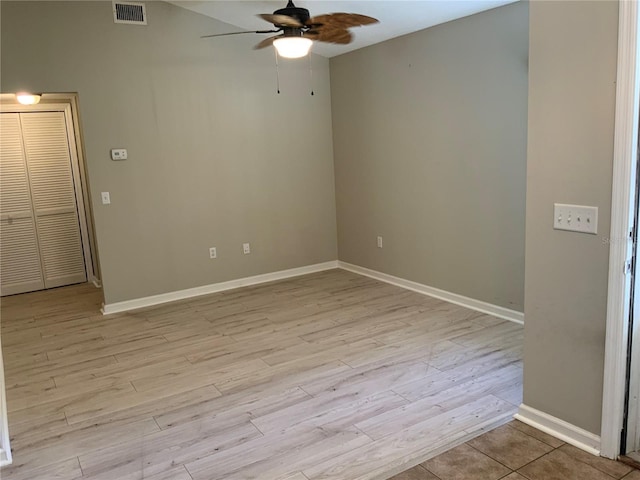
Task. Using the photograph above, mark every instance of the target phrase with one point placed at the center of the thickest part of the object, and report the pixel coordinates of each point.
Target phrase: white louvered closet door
(20, 267)
(53, 197)
(40, 240)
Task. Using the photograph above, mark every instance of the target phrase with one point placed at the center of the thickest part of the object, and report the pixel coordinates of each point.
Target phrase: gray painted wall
(429, 136)
(216, 157)
(572, 73)
(429, 132)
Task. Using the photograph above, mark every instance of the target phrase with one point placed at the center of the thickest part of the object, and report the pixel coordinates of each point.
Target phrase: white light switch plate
(575, 218)
(106, 198)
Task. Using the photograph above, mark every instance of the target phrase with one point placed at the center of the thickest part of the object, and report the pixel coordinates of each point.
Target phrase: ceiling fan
(298, 30)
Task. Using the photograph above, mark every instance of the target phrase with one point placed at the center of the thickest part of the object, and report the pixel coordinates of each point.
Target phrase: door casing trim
(623, 189)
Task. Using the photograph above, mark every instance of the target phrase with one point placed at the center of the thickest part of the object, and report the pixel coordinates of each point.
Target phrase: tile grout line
(489, 456)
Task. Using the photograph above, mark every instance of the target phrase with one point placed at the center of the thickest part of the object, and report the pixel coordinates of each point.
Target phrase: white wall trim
(565, 431)
(467, 302)
(4, 458)
(214, 287)
(624, 158)
(5, 447)
(471, 303)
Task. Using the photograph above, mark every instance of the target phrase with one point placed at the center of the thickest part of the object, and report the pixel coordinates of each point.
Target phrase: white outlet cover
(575, 218)
(246, 248)
(106, 198)
(213, 252)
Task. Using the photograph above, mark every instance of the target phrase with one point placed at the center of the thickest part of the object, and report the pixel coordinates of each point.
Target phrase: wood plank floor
(325, 376)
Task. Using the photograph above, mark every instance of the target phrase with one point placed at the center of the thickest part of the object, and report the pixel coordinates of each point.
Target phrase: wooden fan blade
(340, 36)
(281, 20)
(267, 42)
(238, 33)
(340, 20)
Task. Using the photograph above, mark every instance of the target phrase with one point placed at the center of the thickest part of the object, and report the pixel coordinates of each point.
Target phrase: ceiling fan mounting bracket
(300, 14)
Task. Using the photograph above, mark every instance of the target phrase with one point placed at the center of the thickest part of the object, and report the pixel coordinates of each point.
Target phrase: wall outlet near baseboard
(379, 242)
(213, 252)
(246, 248)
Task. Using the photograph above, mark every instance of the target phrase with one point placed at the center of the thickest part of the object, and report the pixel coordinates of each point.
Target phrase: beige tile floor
(516, 451)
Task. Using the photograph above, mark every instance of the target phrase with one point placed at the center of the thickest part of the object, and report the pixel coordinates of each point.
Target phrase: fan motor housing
(301, 14)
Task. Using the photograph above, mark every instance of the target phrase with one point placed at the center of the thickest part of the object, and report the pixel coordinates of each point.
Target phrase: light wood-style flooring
(325, 376)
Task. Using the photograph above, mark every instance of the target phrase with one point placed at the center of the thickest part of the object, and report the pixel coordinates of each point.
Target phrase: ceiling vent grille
(132, 13)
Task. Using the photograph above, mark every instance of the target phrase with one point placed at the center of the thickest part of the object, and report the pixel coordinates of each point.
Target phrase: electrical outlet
(379, 242)
(575, 218)
(106, 198)
(246, 248)
(213, 253)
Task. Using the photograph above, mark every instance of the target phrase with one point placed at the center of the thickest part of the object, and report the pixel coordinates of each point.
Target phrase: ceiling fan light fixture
(293, 47)
(27, 98)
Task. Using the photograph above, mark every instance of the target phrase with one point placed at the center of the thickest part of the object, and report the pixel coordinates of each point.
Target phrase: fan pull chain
(277, 73)
(310, 75)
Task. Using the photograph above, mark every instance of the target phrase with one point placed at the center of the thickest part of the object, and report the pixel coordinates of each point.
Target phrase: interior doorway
(46, 221)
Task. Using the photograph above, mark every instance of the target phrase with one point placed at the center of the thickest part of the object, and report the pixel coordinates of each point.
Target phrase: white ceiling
(397, 17)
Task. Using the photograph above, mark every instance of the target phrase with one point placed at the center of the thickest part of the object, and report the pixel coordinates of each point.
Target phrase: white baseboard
(565, 431)
(4, 458)
(471, 303)
(467, 302)
(214, 287)
(96, 282)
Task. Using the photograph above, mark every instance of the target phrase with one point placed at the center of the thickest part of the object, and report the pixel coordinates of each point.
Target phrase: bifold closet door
(53, 196)
(20, 267)
(40, 236)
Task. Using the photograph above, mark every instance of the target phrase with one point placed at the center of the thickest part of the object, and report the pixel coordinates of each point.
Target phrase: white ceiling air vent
(132, 13)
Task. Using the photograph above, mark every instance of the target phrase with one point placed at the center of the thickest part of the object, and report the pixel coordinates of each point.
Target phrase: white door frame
(68, 104)
(620, 244)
